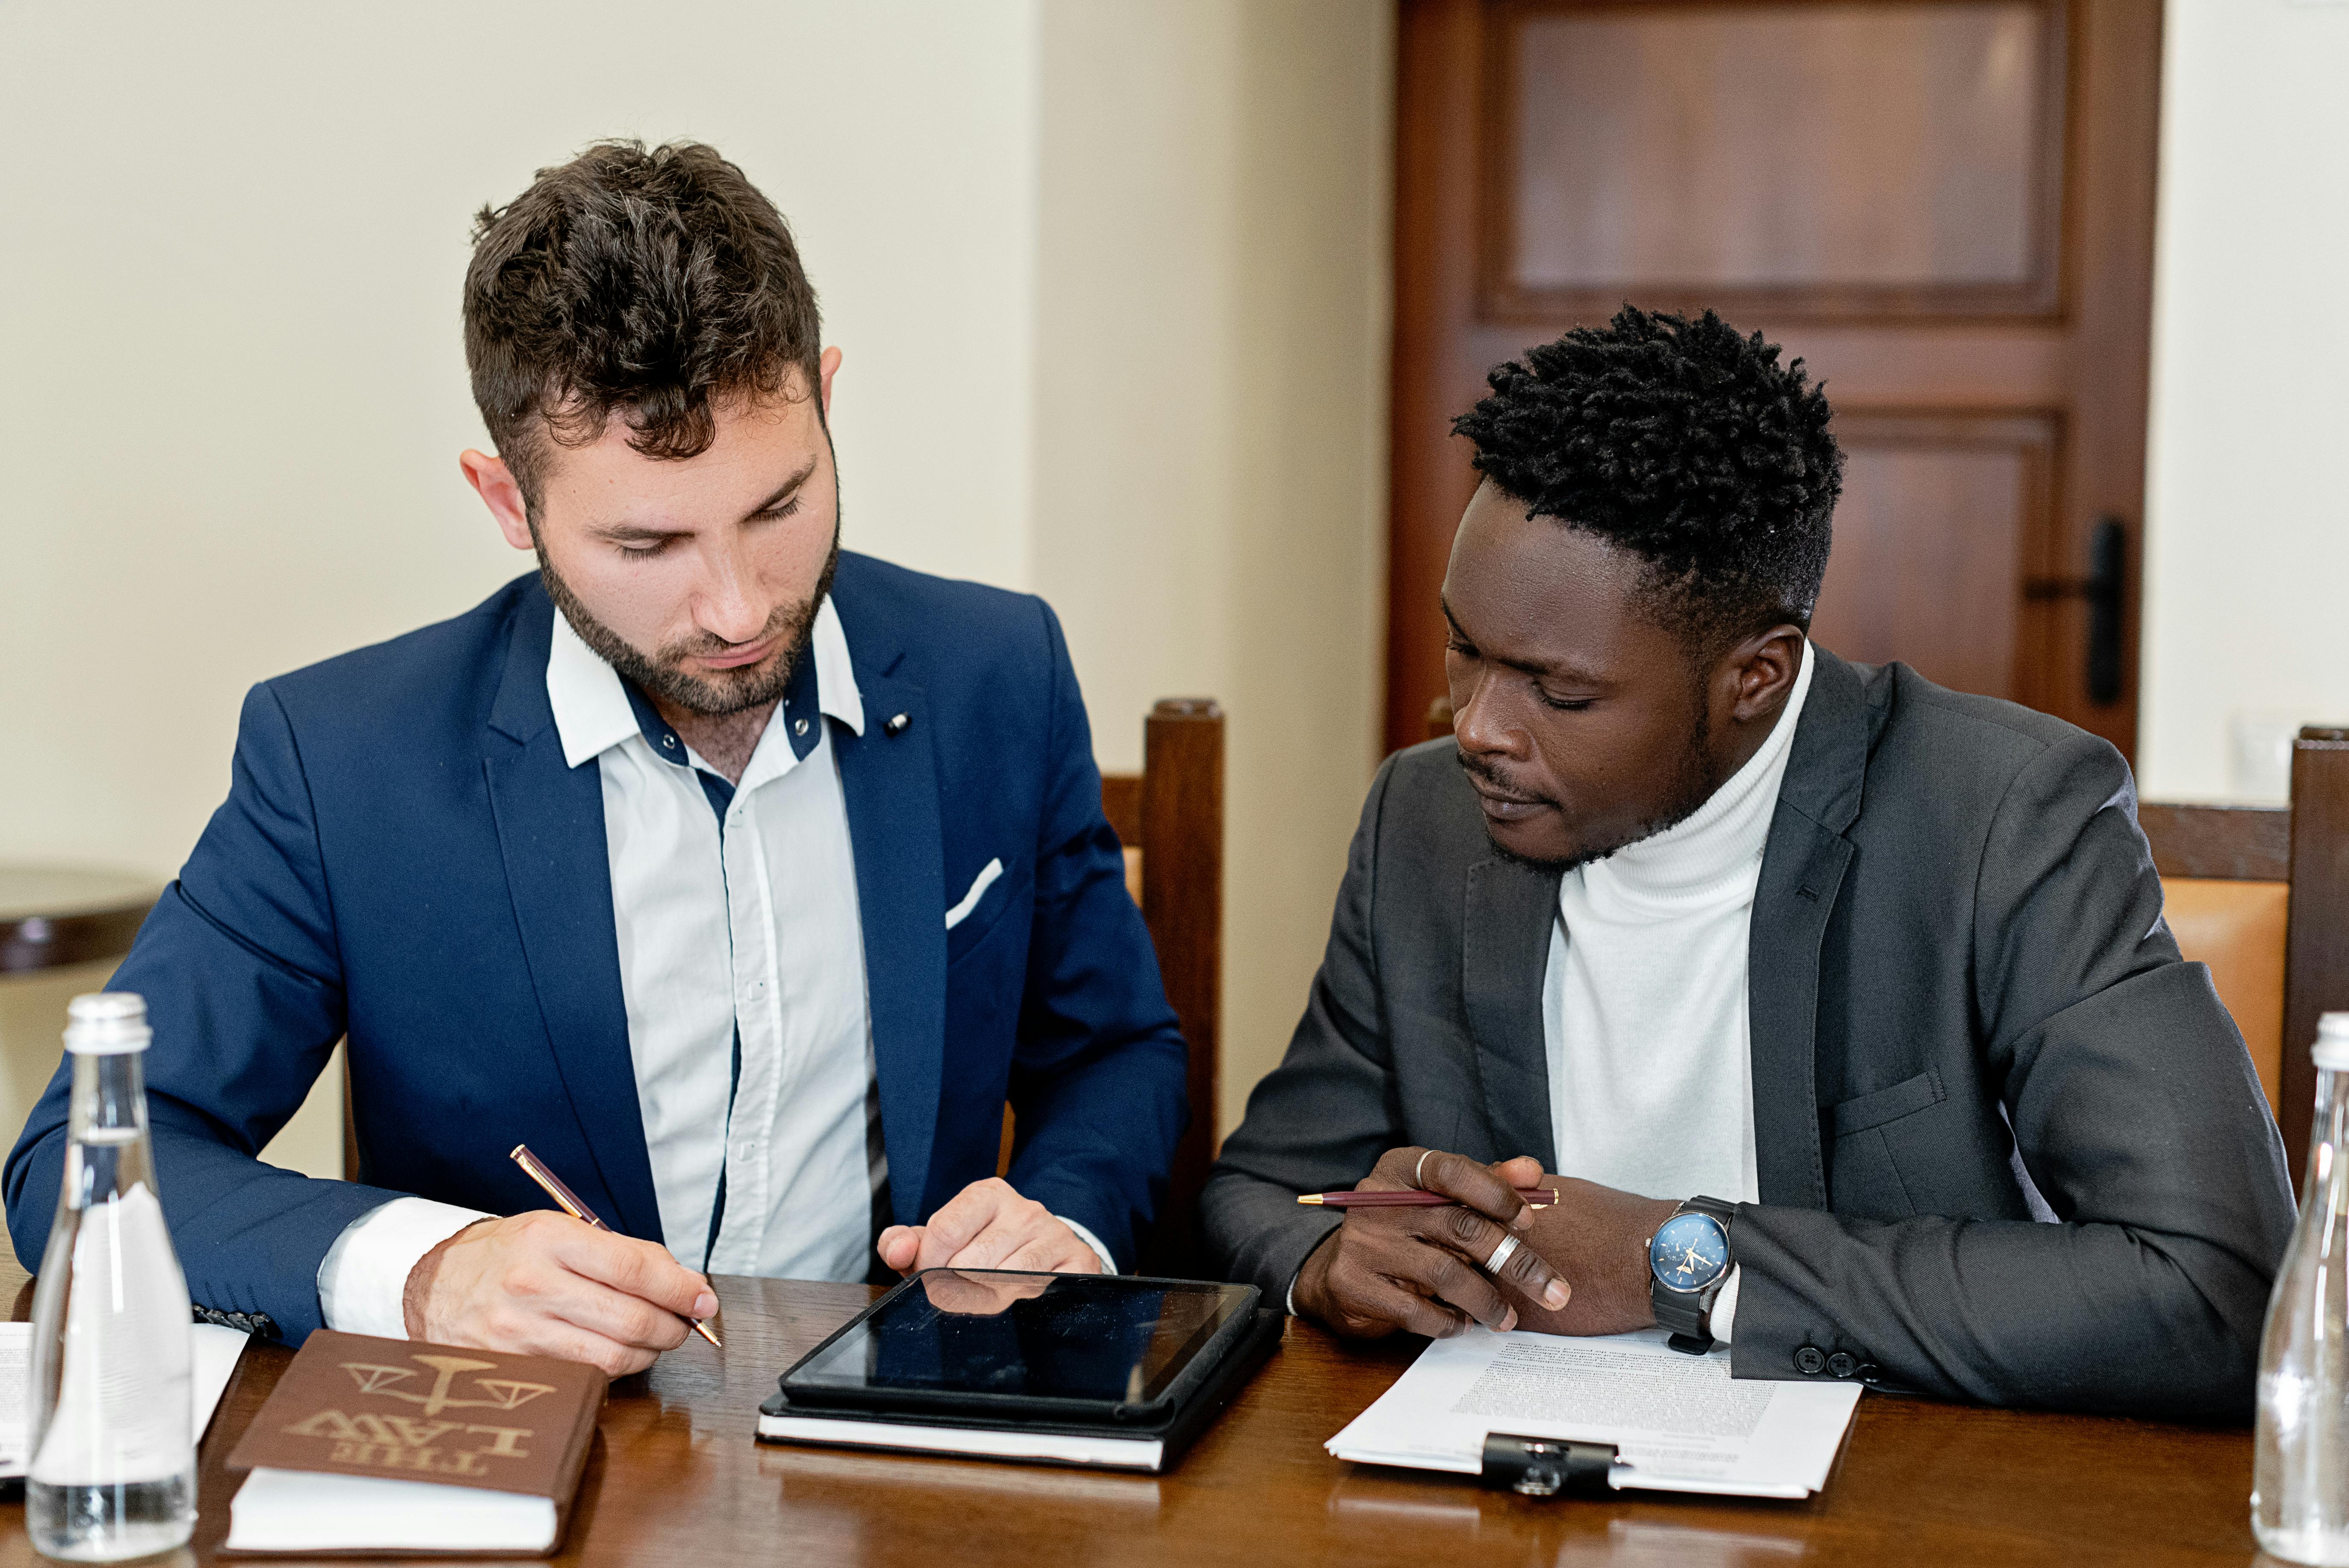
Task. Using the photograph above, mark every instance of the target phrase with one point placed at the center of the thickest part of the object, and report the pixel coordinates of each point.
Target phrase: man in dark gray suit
(1839, 1007)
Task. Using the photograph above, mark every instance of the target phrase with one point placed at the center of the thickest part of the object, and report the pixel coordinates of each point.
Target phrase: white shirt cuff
(1109, 1263)
(364, 1275)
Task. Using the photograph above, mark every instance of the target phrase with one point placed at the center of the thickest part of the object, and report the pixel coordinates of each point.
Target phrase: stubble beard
(664, 677)
(1695, 785)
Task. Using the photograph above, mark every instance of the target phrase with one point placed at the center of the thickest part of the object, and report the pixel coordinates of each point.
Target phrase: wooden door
(1945, 207)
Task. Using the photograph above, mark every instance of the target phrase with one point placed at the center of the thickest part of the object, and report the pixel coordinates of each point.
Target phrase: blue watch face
(1689, 1252)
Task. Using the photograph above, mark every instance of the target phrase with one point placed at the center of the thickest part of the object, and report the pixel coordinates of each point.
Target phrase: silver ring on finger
(1421, 1165)
(1500, 1255)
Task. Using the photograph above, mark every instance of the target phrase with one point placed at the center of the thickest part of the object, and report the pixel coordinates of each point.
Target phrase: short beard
(663, 676)
(1693, 786)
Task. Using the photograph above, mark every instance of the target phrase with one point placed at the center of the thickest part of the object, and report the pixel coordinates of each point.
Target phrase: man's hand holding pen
(543, 1284)
(1575, 1266)
(1423, 1270)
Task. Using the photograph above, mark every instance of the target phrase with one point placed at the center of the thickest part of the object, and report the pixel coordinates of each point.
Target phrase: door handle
(2106, 588)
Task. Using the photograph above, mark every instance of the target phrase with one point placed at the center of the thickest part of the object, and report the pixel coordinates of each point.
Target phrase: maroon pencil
(1534, 1197)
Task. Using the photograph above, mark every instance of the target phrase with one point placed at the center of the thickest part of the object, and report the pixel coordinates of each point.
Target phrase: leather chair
(2227, 895)
(2261, 893)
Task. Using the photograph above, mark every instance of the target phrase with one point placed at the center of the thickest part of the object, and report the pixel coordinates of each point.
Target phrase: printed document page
(1680, 1423)
(216, 1349)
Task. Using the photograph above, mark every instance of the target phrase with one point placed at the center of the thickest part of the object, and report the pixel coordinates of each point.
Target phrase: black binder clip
(1547, 1466)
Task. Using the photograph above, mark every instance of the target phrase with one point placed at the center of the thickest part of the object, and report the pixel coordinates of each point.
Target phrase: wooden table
(52, 916)
(677, 1479)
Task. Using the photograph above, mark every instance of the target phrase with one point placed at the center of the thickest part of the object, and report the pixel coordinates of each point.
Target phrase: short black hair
(649, 282)
(1683, 443)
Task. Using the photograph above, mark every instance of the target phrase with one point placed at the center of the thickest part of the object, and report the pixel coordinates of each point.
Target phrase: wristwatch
(1688, 1260)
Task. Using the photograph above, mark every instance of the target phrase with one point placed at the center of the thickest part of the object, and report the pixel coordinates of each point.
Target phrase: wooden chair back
(2227, 894)
(1170, 818)
(2262, 895)
(1438, 718)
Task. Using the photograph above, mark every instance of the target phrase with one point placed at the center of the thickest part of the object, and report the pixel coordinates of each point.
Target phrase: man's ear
(494, 484)
(1764, 666)
(825, 368)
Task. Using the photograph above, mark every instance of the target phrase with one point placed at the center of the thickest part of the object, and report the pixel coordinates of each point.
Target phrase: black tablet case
(1174, 1433)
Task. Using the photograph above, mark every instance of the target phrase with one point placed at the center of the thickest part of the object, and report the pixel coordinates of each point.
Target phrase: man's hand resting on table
(988, 1225)
(1579, 1266)
(1597, 1237)
(543, 1284)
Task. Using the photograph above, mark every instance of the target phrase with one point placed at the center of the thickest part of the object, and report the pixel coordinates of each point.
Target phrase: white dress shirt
(1644, 1000)
(744, 927)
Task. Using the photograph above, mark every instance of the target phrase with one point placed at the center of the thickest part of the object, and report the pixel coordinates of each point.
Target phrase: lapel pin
(897, 724)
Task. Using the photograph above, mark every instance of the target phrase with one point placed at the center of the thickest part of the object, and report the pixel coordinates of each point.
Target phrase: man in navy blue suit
(743, 880)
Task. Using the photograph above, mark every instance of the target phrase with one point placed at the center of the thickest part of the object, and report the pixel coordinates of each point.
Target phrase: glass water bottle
(113, 1473)
(2299, 1475)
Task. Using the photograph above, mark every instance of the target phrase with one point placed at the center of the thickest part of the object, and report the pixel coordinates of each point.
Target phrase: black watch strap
(1687, 1315)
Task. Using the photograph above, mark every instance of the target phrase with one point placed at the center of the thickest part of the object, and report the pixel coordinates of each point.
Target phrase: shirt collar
(593, 712)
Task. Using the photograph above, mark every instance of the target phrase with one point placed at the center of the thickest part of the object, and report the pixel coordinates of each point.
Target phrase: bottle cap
(110, 1023)
(2331, 1047)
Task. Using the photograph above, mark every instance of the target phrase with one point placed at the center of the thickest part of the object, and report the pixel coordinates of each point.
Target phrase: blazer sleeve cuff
(1287, 1257)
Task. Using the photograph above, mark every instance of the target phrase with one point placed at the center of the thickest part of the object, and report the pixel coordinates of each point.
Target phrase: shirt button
(669, 741)
(1843, 1363)
(1809, 1360)
(800, 728)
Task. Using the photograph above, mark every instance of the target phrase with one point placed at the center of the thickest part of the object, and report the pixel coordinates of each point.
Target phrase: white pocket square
(987, 876)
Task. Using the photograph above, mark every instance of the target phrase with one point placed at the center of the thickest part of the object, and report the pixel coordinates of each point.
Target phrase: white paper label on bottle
(122, 1395)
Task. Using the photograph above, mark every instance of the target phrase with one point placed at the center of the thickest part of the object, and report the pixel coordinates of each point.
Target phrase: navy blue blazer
(405, 858)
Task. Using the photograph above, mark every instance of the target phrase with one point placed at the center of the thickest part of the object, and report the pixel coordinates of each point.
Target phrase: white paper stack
(215, 1352)
(1678, 1422)
(313, 1511)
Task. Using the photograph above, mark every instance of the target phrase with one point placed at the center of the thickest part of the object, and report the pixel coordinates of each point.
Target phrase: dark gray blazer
(1958, 929)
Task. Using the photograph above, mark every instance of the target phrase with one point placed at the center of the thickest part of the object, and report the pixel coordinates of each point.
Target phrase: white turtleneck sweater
(1644, 1000)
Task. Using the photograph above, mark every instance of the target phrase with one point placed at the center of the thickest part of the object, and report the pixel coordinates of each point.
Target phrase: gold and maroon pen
(551, 1185)
(1412, 1198)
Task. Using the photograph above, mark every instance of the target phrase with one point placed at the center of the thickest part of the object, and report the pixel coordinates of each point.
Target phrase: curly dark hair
(649, 282)
(1683, 443)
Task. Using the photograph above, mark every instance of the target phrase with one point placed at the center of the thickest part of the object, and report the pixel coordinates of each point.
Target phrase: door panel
(1857, 157)
(1944, 206)
(1935, 513)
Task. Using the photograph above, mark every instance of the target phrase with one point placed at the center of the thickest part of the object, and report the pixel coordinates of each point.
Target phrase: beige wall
(2246, 514)
(1107, 277)
(1111, 278)
(228, 286)
(1210, 469)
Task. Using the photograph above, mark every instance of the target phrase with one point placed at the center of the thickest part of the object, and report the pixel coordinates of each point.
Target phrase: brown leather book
(393, 1446)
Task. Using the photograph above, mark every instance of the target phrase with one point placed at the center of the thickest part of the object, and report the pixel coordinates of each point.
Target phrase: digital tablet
(1000, 1343)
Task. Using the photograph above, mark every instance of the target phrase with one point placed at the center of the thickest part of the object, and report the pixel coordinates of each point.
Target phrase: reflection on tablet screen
(1068, 1336)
